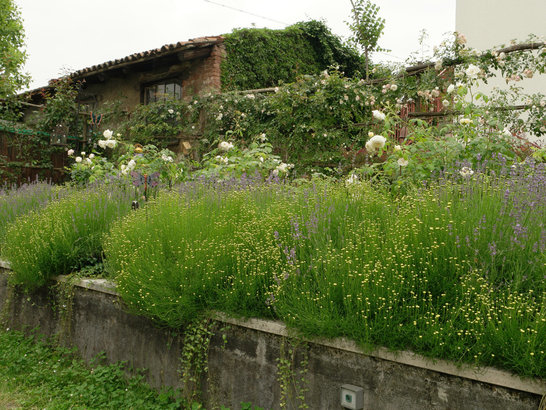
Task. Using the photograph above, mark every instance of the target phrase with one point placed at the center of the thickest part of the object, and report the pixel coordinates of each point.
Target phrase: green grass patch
(36, 375)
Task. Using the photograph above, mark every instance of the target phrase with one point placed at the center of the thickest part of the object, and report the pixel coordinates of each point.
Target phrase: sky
(68, 35)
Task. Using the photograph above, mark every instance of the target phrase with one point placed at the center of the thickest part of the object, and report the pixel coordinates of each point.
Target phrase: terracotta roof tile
(156, 52)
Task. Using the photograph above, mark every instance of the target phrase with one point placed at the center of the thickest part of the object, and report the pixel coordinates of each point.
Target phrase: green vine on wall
(194, 358)
(291, 373)
(259, 58)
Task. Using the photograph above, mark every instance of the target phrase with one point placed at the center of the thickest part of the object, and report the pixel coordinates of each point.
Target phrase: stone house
(180, 71)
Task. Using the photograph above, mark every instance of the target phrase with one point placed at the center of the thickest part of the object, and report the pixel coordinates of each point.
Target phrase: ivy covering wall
(259, 58)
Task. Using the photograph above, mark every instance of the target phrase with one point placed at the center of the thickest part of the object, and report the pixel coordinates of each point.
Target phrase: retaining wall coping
(487, 375)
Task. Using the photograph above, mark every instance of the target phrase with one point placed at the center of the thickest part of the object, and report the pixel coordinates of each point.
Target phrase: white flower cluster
(466, 172)
(167, 158)
(389, 87)
(375, 143)
(378, 115)
(222, 160)
(108, 142)
(225, 146)
(282, 168)
(473, 71)
(125, 169)
(81, 158)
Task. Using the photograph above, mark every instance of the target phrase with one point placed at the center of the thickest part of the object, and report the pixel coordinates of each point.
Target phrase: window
(166, 90)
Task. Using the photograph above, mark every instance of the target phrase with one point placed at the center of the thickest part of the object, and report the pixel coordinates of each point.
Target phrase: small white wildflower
(70, 152)
(402, 162)
(397, 148)
(394, 87)
(219, 117)
(451, 88)
(445, 103)
(170, 111)
(466, 172)
(353, 178)
(131, 165)
(225, 146)
(166, 158)
(91, 156)
(88, 161)
(465, 121)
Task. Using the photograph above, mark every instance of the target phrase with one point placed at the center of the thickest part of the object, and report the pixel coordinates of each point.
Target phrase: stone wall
(244, 365)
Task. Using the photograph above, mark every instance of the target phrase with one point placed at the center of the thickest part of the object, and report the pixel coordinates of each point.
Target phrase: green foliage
(367, 27)
(18, 201)
(258, 58)
(63, 236)
(60, 114)
(12, 57)
(228, 161)
(441, 271)
(36, 375)
(155, 123)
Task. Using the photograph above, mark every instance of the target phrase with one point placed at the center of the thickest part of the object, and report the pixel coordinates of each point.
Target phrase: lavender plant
(453, 270)
(63, 236)
(17, 201)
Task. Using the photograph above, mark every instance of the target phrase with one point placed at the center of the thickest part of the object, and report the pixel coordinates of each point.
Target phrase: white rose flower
(91, 156)
(466, 172)
(225, 146)
(131, 165)
(83, 154)
(445, 103)
(378, 115)
(472, 71)
(70, 152)
(394, 87)
(111, 143)
(78, 159)
(451, 88)
(108, 134)
(102, 144)
(375, 143)
(170, 111)
(465, 121)
(402, 162)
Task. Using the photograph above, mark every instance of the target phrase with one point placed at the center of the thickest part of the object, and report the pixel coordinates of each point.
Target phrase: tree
(367, 27)
(12, 56)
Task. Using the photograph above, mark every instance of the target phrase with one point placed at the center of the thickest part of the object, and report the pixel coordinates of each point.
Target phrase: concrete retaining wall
(245, 367)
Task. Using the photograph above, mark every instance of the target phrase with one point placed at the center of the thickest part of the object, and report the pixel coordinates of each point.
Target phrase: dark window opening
(166, 90)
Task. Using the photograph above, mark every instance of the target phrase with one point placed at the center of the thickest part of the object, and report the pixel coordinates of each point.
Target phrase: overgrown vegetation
(35, 375)
(259, 58)
(64, 236)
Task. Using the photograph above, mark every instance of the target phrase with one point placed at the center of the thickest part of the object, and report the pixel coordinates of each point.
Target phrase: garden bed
(244, 355)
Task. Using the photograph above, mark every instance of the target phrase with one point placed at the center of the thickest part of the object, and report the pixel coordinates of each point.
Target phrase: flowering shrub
(227, 161)
(18, 201)
(442, 271)
(64, 236)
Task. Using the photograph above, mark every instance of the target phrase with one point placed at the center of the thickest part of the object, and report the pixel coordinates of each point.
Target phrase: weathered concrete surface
(245, 368)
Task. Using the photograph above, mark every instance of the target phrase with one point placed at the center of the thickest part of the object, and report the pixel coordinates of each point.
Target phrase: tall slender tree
(12, 54)
(367, 27)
